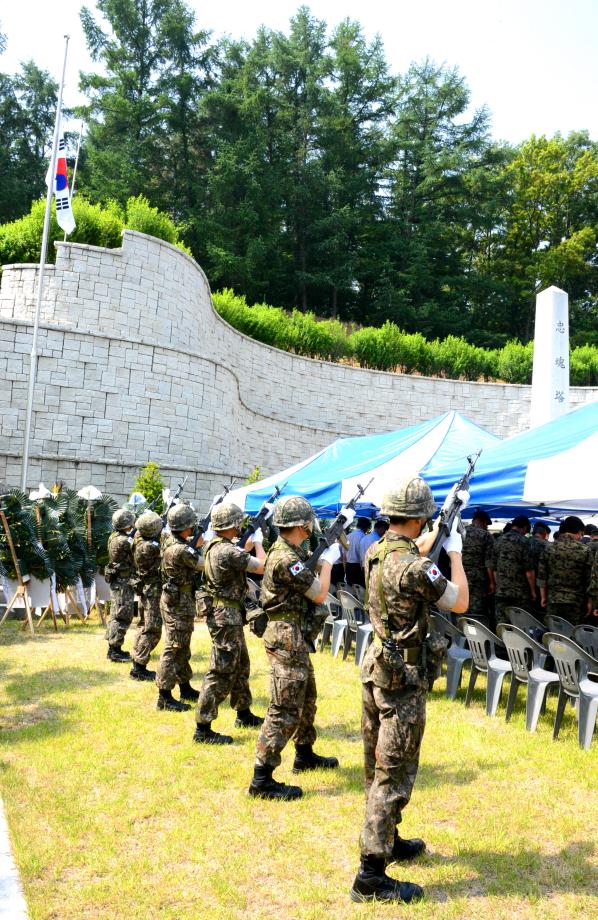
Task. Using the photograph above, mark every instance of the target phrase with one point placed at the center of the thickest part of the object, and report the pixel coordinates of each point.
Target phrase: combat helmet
(410, 497)
(226, 515)
(149, 524)
(181, 517)
(122, 519)
(292, 511)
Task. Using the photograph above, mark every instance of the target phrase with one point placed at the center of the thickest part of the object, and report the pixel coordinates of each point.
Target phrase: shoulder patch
(296, 568)
(433, 573)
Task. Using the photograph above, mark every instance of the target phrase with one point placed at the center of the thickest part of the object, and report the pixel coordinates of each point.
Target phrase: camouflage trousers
(292, 708)
(228, 673)
(174, 667)
(150, 630)
(478, 605)
(122, 610)
(502, 602)
(392, 725)
(574, 612)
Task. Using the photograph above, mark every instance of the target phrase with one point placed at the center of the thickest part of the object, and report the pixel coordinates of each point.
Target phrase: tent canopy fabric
(547, 470)
(330, 478)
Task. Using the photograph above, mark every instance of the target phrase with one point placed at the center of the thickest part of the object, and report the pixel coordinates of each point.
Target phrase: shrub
(583, 366)
(515, 362)
(150, 484)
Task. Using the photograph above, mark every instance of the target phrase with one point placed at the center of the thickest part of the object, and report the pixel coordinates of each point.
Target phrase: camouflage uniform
(146, 554)
(225, 587)
(286, 588)
(180, 562)
(513, 560)
(393, 702)
(565, 571)
(478, 557)
(537, 548)
(122, 595)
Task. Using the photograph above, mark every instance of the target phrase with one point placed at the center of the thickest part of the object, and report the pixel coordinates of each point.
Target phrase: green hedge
(387, 348)
(97, 225)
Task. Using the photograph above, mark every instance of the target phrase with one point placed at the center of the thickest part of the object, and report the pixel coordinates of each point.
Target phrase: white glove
(332, 554)
(257, 537)
(349, 514)
(454, 541)
(461, 494)
(209, 534)
(269, 506)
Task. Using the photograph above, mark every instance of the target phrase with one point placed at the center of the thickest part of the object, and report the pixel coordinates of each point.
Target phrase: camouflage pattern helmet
(149, 524)
(181, 517)
(410, 497)
(292, 511)
(226, 515)
(122, 519)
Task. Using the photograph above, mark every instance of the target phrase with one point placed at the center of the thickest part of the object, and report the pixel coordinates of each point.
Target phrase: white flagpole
(75, 171)
(40, 278)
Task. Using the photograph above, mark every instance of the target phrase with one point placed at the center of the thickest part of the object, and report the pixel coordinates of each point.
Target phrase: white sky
(534, 63)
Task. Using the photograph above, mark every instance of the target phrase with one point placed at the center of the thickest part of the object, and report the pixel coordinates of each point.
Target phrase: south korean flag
(64, 211)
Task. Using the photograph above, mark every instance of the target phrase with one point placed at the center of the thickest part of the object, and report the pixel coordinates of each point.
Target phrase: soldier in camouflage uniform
(146, 555)
(119, 574)
(180, 563)
(565, 572)
(478, 562)
(514, 570)
(537, 547)
(225, 589)
(288, 591)
(591, 533)
(401, 584)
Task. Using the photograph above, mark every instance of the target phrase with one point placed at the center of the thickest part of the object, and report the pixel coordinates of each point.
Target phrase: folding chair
(527, 659)
(483, 643)
(573, 665)
(456, 654)
(559, 625)
(587, 637)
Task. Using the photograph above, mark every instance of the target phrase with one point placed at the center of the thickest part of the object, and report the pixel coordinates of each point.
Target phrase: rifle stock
(447, 516)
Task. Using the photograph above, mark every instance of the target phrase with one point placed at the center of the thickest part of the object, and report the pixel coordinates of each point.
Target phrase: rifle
(261, 517)
(336, 531)
(447, 516)
(204, 523)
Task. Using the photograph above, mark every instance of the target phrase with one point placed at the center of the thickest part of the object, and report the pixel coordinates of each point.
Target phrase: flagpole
(75, 170)
(40, 277)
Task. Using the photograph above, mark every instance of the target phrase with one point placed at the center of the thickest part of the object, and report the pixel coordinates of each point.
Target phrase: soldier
(225, 588)
(591, 541)
(180, 562)
(146, 555)
(537, 547)
(514, 568)
(119, 574)
(401, 583)
(478, 563)
(289, 590)
(564, 575)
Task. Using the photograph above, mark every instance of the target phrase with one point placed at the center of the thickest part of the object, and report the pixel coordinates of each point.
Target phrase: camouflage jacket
(146, 553)
(225, 567)
(120, 555)
(180, 562)
(565, 571)
(537, 548)
(478, 556)
(513, 560)
(285, 586)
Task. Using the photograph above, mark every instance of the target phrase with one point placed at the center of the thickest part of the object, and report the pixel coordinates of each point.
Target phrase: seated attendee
(353, 568)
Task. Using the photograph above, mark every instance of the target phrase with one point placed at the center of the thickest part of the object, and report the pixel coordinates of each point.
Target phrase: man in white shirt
(380, 528)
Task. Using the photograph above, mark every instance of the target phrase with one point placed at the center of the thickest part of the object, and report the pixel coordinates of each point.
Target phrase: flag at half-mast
(64, 211)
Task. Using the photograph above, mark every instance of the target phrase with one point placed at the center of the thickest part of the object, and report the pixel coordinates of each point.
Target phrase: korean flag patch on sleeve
(296, 568)
(433, 573)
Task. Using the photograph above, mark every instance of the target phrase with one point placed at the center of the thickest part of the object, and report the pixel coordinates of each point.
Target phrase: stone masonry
(136, 365)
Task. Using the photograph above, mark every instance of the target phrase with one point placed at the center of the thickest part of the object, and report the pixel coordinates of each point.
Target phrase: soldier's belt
(287, 617)
(410, 655)
(225, 602)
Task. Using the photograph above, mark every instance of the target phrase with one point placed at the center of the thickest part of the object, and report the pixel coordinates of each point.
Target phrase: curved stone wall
(135, 364)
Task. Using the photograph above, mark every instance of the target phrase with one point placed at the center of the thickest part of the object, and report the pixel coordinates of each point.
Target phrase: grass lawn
(115, 813)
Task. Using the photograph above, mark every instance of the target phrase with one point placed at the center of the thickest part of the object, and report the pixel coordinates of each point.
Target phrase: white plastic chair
(527, 659)
(482, 643)
(573, 665)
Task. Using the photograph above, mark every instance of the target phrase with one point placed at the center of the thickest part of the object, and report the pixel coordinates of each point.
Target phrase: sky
(533, 63)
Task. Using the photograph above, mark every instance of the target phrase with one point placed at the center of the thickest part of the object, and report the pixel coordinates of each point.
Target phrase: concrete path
(12, 901)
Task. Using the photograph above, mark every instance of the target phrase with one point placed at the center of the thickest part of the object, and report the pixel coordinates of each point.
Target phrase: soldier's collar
(392, 537)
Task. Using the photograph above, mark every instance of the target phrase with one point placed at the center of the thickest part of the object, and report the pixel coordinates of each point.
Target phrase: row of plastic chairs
(575, 659)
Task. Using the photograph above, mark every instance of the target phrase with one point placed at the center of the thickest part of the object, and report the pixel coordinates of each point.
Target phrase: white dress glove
(209, 534)
(257, 536)
(332, 554)
(461, 494)
(270, 508)
(349, 514)
(454, 541)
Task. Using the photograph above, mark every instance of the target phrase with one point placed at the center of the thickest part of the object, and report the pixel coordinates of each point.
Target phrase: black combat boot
(188, 692)
(140, 672)
(205, 735)
(373, 884)
(405, 850)
(264, 787)
(115, 653)
(305, 759)
(167, 701)
(247, 719)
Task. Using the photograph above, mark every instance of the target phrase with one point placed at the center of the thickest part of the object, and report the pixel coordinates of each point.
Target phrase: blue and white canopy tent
(329, 478)
(549, 470)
